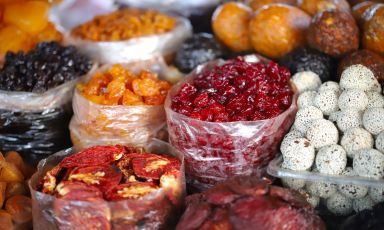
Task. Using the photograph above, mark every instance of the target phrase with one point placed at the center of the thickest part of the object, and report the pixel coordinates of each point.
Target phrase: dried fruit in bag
(10, 173)
(132, 190)
(15, 188)
(6, 220)
(73, 190)
(13, 39)
(151, 166)
(20, 208)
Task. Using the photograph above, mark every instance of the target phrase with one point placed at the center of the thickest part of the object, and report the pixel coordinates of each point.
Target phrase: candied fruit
(6, 220)
(10, 173)
(20, 208)
(3, 186)
(14, 39)
(30, 16)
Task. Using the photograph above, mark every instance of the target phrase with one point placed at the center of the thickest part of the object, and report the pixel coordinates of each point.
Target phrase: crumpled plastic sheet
(215, 151)
(154, 211)
(36, 124)
(93, 124)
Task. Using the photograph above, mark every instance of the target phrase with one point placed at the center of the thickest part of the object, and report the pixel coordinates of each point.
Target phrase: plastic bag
(154, 211)
(214, 151)
(94, 124)
(36, 124)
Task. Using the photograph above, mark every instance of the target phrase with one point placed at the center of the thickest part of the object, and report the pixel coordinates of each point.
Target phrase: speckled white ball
(327, 101)
(357, 77)
(314, 201)
(349, 118)
(293, 183)
(373, 120)
(375, 100)
(369, 163)
(330, 85)
(289, 136)
(333, 116)
(305, 116)
(306, 99)
(298, 154)
(321, 189)
(377, 194)
(362, 204)
(322, 133)
(379, 143)
(353, 99)
(339, 204)
(331, 159)
(352, 191)
(356, 139)
(306, 80)
(376, 87)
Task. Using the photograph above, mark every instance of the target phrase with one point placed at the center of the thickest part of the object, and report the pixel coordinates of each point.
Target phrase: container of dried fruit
(119, 104)
(129, 34)
(109, 187)
(35, 99)
(217, 139)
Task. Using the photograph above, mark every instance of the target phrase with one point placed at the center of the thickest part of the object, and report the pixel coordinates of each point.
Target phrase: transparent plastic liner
(214, 151)
(154, 211)
(93, 124)
(275, 169)
(142, 48)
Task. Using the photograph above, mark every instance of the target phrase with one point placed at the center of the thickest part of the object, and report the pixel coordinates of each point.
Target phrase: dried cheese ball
(358, 77)
(356, 139)
(377, 194)
(348, 119)
(322, 133)
(375, 99)
(353, 99)
(293, 183)
(362, 204)
(369, 163)
(373, 120)
(298, 154)
(379, 143)
(306, 99)
(339, 204)
(306, 80)
(331, 159)
(351, 190)
(327, 101)
(321, 189)
(305, 116)
(330, 85)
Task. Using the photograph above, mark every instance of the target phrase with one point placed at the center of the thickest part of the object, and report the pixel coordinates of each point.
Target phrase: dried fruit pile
(137, 182)
(46, 66)
(118, 86)
(236, 91)
(25, 23)
(339, 130)
(125, 24)
(247, 202)
(15, 206)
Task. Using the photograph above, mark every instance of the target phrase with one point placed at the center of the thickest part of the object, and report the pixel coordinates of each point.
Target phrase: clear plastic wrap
(36, 124)
(214, 151)
(154, 211)
(94, 124)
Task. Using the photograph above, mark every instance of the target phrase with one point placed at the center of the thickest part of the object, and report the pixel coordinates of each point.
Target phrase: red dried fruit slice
(73, 190)
(133, 190)
(98, 155)
(173, 187)
(151, 166)
(102, 176)
(49, 181)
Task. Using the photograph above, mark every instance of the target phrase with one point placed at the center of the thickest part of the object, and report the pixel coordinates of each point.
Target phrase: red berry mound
(236, 91)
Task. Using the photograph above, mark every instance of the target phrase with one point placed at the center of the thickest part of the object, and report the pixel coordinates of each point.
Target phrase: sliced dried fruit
(10, 173)
(20, 208)
(73, 190)
(6, 220)
(15, 188)
(103, 177)
(49, 182)
(133, 190)
(151, 166)
(3, 186)
(171, 181)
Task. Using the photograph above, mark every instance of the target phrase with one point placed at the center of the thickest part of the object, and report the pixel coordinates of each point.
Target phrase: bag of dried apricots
(120, 103)
(126, 35)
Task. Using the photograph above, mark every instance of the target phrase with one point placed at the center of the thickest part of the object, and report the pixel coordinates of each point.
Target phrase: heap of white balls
(337, 122)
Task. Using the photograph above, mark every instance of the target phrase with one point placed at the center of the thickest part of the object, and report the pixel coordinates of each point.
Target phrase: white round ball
(314, 201)
(331, 159)
(305, 116)
(352, 191)
(375, 100)
(306, 80)
(353, 99)
(293, 183)
(373, 120)
(327, 101)
(356, 139)
(322, 133)
(306, 99)
(339, 204)
(298, 154)
(321, 189)
(357, 77)
(379, 143)
(330, 85)
(333, 116)
(377, 194)
(376, 87)
(369, 163)
(362, 204)
(349, 118)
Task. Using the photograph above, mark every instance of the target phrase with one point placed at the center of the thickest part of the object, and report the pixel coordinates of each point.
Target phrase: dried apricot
(20, 208)
(10, 173)
(6, 220)
(15, 188)
(129, 98)
(3, 187)
(49, 34)
(14, 39)
(15, 158)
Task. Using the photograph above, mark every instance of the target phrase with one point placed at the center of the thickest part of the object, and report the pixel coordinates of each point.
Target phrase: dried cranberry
(201, 99)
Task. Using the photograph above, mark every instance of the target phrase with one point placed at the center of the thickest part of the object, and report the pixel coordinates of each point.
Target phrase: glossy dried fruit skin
(278, 29)
(73, 190)
(230, 24)
(334, 33)
(358, 11)
(314, 7)
(20, 208)
(6, 220)
(15, 158)
(257, 4)
(13, 39)
(49, 33)
(151, 166)
(132, 190)
(3, 187)
(15, 188)
(10, 173)
(373, 31)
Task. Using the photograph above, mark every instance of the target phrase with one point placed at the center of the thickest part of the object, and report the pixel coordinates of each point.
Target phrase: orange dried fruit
(15, 158)
(6, 220)
(20, 208)
(10, 173)
(3, 187)
(49, 34)
(14, 39)
(30, 16)
(15, 188)
(129, 98)
(145, 87)
(1, 157)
